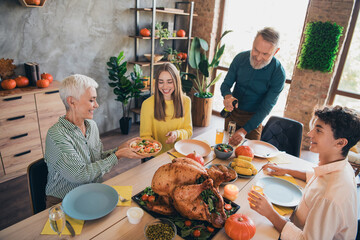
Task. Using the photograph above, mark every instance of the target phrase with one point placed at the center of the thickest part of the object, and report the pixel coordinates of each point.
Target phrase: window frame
(334, 88)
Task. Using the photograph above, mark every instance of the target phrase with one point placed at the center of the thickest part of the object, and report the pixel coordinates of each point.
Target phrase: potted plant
(126, 88)
(202, 102)
(162, 33)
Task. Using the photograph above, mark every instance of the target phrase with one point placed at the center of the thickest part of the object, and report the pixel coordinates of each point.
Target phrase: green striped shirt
(74, 159)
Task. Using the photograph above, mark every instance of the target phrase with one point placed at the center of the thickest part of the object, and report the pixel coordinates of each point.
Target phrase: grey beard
(262, 65)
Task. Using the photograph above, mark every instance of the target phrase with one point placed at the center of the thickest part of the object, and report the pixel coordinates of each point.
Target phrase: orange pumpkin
(8, 84)
(21, 81)
(244, 151)
(42, 83)
(47, 76)
(240, 227)
(145, 32)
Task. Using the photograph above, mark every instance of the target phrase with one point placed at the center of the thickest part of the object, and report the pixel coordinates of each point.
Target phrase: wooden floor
(14, 196)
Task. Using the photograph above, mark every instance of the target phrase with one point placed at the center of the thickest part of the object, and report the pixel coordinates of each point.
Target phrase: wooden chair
(284, 133)
(37, 178)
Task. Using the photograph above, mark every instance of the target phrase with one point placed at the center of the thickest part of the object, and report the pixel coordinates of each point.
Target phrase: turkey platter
(190, 189)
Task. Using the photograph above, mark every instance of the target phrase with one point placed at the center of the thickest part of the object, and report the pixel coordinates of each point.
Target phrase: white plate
(262, 149)
(187, 146)
(280, 191)
(90, 201)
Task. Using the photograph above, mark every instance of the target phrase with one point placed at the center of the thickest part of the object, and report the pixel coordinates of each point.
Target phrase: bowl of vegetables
(160, 228)
(223, 150)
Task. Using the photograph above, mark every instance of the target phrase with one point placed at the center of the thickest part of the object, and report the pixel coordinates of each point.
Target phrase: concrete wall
(67, 37)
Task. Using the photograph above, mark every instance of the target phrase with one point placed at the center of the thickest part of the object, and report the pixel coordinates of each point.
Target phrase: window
(245, 18)
(346, 86)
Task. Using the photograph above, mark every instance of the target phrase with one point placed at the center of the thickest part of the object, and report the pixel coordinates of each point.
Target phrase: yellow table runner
(75, 223)
(125, 192)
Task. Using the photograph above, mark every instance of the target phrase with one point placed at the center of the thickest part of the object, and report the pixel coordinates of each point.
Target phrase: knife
(71, 229)
(171, 154)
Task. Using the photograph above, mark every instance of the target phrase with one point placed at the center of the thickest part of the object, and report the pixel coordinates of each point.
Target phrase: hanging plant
(320, 46)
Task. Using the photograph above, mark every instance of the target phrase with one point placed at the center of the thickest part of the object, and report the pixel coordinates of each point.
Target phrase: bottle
(225, 113)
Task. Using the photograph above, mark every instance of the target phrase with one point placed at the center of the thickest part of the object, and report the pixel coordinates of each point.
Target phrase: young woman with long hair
(166, 115)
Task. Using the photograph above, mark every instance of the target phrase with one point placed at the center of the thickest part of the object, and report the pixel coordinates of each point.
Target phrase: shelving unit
(154, 10)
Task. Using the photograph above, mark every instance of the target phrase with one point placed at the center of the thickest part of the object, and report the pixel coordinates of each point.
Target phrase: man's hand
(228, 100)
(238, 137)
(172, 136)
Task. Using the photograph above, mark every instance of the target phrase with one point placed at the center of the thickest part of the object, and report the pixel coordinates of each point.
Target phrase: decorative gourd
(22, 81)
(244, 151)
(47, 76)
(42, 83)
(240, 227)
(8, 84)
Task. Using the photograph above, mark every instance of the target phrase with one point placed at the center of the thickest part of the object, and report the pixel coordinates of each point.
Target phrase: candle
(230, 192)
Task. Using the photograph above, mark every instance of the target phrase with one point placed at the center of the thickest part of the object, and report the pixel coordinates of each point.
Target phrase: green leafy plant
(172, 56)
(124, 88)
(162, 33)
(204, 68)
(320, 46)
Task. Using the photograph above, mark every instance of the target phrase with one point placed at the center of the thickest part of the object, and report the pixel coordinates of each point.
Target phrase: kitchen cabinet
(26, 115)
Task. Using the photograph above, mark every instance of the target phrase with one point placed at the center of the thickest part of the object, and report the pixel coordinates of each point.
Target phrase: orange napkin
(125, 192)
(75, 223)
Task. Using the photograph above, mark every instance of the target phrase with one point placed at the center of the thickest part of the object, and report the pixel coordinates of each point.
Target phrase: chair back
(284, 133)
(37, 178)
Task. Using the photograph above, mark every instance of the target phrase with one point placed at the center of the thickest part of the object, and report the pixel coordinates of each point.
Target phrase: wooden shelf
(170, 38)
(163, 11)
(147, 63)
(23, 2)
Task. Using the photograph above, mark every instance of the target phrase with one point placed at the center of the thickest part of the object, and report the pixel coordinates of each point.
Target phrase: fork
(123, 199)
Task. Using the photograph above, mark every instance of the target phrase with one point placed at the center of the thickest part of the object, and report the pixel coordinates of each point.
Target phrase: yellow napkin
(279, 159)
(75, 223)
(175, 154)
(125, 192)
(285, 210)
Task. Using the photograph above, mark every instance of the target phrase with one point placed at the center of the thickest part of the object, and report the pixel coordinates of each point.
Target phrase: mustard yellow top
(150, 128)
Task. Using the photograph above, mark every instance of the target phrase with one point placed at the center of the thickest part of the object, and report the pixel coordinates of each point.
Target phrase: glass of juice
(219, 136)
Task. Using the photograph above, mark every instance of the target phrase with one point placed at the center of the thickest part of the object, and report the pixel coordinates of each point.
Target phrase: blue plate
(280, 191)
(90, 201)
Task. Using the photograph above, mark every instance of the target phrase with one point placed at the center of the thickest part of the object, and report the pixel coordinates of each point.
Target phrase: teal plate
(280, 191)
(90, 201)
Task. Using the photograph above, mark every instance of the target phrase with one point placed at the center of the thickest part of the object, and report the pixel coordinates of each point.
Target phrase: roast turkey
(185, 186)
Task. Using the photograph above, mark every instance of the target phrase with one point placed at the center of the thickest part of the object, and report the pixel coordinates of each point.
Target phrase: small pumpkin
(181, 33)
(47, 76)
(21, 81)
(240, 227)
(8, 84)
(145, 32)
(244, 151)
(33, 2)
(42, 83)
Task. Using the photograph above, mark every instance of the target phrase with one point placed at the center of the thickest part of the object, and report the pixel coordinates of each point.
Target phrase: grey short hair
(270, 35)
(75, 86)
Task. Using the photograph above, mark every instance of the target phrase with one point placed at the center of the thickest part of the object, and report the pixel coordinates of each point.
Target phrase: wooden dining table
(115, 225)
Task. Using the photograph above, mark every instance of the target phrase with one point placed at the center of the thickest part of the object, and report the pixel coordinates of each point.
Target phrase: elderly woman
(73, 152)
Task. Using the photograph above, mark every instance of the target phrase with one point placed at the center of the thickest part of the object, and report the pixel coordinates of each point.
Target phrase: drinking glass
(231, 128)
(219, 135)
(57, 219)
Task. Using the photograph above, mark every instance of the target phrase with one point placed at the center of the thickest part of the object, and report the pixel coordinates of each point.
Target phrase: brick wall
(310, 89)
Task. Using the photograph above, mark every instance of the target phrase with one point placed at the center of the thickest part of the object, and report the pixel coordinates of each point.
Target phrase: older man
(73, 151)
(259, 79)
